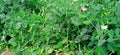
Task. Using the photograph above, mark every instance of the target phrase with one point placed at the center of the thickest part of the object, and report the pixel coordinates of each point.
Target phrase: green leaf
(101, 42)
(12, 42)
(90, 53)
(110, 39)
(87, 22)
(79, 53)
(117, 31)
(77, 39)
(73, 46)
(82, 15)
(76, 20)
(111, 47)
(50, 50)
(111, 33)
(106, 1)
(101, 50)
(86, 37)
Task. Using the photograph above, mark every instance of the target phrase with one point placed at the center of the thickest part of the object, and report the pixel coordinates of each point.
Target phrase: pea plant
(60, 27)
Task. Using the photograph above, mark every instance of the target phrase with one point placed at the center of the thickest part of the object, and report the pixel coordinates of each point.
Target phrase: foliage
(47, 27)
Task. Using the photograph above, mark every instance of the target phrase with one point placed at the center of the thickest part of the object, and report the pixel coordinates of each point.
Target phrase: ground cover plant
(60, 27)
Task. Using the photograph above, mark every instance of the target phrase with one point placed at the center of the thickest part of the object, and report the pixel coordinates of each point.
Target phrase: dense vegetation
(66, 27)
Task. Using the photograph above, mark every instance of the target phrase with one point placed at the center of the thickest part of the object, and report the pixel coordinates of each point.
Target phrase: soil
(7, 52)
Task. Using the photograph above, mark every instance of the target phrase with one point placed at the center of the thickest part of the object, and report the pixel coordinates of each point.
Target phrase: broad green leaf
(117, 31)
(76, 21)
(90, 53)
(101, 42)
(111, 47)
(111, 33)
(87, 22)
(101, 50)
(84, 38)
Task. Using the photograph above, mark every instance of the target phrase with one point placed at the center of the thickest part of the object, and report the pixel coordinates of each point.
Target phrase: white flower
(83, 9)
(104, 27)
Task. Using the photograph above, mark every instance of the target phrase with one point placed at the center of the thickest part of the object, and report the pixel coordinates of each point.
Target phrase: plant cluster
(66, 27)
